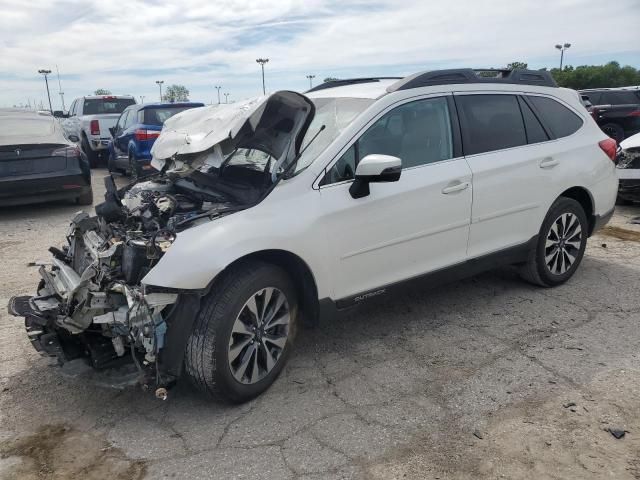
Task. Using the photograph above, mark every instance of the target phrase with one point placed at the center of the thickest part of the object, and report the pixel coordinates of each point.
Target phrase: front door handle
(548, 162)
(456, 187)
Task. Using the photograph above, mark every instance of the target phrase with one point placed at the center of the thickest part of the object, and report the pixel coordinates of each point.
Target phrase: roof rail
(470, 75)
(348, 81)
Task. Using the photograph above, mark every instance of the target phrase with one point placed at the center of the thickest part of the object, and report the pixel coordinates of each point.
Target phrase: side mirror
(73, 138)
(375, 168)
(60, 114)
(112, 130)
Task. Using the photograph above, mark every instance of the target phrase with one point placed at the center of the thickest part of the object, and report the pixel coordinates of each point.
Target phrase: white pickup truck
(89, 120)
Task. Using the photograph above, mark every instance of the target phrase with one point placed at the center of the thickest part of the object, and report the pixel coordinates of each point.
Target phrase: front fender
(200, 253)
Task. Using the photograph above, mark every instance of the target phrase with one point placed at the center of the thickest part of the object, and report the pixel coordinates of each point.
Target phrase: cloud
(102, 44)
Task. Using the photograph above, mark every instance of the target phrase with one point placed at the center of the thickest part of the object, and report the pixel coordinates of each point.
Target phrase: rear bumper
(99, 143)
(600, 221)
(24, 189)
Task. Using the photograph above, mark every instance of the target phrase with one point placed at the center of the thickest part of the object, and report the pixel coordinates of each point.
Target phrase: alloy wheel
(259, 335)
(563, 243)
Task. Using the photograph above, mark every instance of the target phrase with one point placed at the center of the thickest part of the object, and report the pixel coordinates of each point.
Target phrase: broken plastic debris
(618, 433)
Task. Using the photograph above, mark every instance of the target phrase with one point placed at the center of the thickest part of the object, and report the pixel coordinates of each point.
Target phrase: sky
(126, 46)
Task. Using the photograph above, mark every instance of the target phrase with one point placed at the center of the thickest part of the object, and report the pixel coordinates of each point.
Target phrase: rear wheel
(92, 155)
(614, 130)
(560, 247)
(86, 198)
(243, 334)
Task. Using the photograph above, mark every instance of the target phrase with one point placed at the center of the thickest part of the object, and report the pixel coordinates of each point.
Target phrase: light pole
(45, 73)
(311, 77)
(160, 82)
(60, 89)
(562, 48)
(141, 98)
(262, 61)
(226, 98)
(217, 87)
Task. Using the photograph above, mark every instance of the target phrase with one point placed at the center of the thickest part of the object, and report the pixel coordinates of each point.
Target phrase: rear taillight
(94, 127)
(635, 113)
(71, 151)
(143, 134)
(609, 146)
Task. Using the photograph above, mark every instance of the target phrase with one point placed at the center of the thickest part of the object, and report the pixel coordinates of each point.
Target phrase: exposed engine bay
(92, 308)
(90, 303)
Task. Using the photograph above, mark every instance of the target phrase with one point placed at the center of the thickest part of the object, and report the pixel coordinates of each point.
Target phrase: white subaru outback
(288, 207)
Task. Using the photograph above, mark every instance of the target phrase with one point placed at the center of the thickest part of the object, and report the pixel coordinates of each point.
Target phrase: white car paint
(629, 173)
(404, 228)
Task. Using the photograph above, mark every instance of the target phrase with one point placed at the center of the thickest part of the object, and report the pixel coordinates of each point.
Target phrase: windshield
(335, 114)
(96, 106)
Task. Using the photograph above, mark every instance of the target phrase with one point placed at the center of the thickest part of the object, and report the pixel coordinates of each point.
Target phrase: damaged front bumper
(86, 315)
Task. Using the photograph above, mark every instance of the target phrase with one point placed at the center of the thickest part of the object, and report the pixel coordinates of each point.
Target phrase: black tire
(92, 155)
(86, 198)
(111, 164)
(134, 169)
(536, 270)
(614, 130)
(207, 351)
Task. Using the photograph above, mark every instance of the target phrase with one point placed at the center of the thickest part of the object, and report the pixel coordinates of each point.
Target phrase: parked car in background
(134, 134)
(288, 207)
(628, 169)
(615, 110)
(90, 118)
(37, 162)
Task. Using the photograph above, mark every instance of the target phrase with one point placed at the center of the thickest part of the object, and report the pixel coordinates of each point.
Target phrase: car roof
(170, 104)
(377, 87)
(371, 88)
(100, 97)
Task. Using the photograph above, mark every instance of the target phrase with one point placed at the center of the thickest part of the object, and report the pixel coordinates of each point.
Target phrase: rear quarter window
(561, 121)
(157, 116)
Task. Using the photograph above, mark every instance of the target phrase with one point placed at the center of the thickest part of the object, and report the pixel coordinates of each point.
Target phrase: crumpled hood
(274, 124)
(631, 142)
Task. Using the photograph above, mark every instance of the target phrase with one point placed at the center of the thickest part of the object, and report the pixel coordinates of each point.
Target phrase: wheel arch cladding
(583, 197)
(300, 273)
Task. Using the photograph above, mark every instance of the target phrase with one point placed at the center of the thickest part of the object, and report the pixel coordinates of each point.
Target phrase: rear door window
(130, 120)
(594, 97)
(490, 122)
(559, 119)
(122, 121)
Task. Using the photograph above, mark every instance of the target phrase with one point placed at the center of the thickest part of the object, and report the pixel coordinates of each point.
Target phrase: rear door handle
(548, 162)
(456, 188)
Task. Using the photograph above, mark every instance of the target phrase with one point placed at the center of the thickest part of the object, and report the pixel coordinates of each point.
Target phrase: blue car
(134, 134)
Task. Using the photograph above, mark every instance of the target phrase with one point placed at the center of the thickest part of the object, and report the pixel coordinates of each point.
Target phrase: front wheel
(243, 333)
(560, 247)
